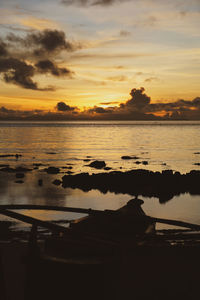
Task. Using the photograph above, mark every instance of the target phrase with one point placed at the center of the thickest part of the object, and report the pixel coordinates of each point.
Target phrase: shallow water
(165, 145)
(184, 207)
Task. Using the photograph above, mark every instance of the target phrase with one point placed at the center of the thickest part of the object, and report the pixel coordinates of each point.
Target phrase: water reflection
(184, 207)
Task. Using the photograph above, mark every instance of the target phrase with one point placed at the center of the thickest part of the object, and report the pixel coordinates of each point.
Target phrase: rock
(52, 170)
(87, 159)
(163, 185)
(129, 157)
(57, 182)
(138, 162)
(167, 172)
(38, 164)
(97, 164)
(69, 172)
(177, 173)
(19, 181)
(51, 153)
(107, 168)
(197, 164)
(196, 152)
(19, 175)
(145, 162)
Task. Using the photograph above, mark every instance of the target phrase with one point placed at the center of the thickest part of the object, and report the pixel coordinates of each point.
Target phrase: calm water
(165, 145)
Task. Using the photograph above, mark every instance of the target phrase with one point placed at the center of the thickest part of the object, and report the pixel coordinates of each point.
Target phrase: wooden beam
(30, 220)
(94, 212)
(48, 207)
(176, 223)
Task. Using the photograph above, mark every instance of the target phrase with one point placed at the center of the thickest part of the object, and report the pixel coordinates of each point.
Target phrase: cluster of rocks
(163, 185)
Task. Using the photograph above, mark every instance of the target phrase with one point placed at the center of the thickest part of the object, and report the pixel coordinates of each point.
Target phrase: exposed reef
(97, 164)
(163, 185)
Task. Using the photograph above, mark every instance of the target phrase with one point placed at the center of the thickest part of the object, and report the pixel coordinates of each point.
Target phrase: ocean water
(164, 145)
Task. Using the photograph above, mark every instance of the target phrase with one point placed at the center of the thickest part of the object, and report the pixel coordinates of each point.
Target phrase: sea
(71, 146)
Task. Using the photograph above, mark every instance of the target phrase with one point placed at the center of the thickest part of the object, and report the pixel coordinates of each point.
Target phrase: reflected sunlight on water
(164, 145)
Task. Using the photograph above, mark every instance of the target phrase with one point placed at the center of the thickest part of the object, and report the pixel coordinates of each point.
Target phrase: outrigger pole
(6, 210)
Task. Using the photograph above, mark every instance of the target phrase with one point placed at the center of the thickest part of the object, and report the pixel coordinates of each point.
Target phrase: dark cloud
(49, 41)
(91, 2)
(3, 50)
(23, 57)
(62, 106)
(109, 103)
(100, 110)
(138, 101)
(7, 111)
(18, 72)
(47, 66)
(139, 107)
(41, 43)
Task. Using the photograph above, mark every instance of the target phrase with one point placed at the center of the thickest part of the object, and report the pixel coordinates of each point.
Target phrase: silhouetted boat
(111, 255)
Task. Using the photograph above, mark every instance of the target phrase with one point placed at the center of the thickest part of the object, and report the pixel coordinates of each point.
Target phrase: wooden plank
(30, 220)
(177, 223)
(48, 207)
(96, 212)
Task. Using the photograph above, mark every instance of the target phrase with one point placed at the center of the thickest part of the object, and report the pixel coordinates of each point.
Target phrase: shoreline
(163, 185)
(142, 182)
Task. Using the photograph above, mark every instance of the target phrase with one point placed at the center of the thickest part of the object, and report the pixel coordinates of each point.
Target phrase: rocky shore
(163, 185)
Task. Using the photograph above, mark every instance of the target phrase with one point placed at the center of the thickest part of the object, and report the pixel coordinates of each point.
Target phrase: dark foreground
(107, 255)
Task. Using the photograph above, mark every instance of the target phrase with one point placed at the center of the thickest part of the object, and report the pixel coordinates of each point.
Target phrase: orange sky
(104, 52)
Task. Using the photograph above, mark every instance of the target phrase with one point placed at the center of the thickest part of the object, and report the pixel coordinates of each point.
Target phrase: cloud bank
(22, 58)
(138, 107)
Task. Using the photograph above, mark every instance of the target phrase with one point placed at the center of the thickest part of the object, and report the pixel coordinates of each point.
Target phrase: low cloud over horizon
(138, 107)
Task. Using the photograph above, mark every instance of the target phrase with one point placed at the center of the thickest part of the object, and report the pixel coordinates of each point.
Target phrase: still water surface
(165, 145)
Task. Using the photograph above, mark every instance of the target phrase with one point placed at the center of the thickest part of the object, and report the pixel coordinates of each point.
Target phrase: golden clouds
(38, 23)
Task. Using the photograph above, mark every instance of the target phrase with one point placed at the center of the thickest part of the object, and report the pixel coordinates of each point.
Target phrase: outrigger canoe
(112, 255)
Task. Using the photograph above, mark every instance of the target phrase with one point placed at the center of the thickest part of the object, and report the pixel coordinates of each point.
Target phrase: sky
(100, 59)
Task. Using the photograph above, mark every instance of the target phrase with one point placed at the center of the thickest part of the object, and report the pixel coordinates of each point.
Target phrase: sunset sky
(83, 58)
